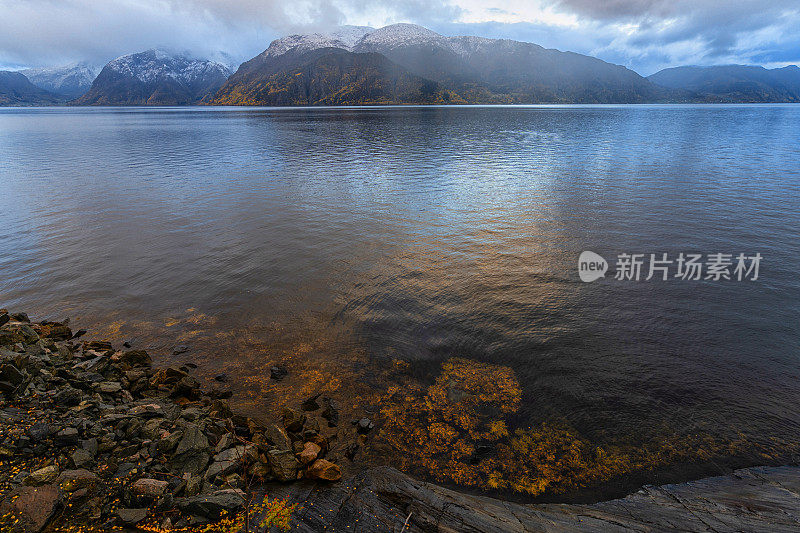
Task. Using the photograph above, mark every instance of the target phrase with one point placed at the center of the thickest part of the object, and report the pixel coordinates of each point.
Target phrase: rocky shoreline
(96, 437)
(93, 438)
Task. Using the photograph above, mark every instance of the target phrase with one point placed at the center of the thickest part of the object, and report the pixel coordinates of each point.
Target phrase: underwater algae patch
(457, 431)
(463, 429)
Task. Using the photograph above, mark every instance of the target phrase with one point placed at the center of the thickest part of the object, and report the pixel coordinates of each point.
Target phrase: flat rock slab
(30, 508)
(381, 499)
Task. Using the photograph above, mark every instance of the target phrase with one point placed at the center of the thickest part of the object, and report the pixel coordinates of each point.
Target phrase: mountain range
(397, 64)
(734, 83)
(155, 77)
(405, 63)
(68, 81)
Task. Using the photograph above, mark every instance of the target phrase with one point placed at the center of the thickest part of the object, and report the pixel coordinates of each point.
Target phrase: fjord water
(422, 233)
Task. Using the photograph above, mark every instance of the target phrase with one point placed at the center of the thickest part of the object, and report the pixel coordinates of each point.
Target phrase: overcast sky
(645, 35)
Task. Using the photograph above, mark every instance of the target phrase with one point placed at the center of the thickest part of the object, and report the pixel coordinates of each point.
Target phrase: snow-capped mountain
(366, 39)
(398, 35)
(155, 65)
(156, 77)
(344, 37)
(460, 69)
(69, 81)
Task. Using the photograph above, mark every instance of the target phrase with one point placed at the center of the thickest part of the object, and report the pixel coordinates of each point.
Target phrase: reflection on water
(346, 241)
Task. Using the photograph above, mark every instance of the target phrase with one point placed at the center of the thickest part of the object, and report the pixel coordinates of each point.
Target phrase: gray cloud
(642, 34)
(35, 32)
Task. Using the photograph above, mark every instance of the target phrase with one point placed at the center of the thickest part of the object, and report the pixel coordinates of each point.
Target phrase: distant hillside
(155, 77)
(17, 90)
(734, 83)
(501, 70)
(452, 69)
(69, 81)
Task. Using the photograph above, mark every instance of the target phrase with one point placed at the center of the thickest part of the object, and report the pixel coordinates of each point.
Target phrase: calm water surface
(426, 233)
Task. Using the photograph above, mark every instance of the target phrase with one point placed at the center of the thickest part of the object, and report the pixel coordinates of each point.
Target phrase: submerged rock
(278, 372)
(293, 420)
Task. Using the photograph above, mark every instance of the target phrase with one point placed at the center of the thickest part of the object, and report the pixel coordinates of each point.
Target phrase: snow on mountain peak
(156, 64)
(400, 34)
(67, 80)
(57, 74)
(365, 39)
(344, 37)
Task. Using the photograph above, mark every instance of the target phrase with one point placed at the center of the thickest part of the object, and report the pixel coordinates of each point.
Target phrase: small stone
(212, 506)
(150, 488)
(325, 470)
(309, 453)
(222, 378)
(130, 517)
(109, 387)
(193, 485)
(331, 412)
(43, 476)
(310, 404)
(90, 445)
(135, 358)
(72, 480)
(55, 331)
(191, 414)
(67, 437)
(39, 431)
(278, 437)
(79, 333)
(68, 397)
(80, 458)
(284, 465)
(20, 317)
(293, 420)
(278, 372)
(365, 425)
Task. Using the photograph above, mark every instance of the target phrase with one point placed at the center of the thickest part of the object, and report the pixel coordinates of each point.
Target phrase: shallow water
(422, 233)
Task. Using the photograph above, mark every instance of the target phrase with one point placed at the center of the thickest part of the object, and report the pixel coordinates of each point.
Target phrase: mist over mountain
(734, 83)
(68, 81)
(16, 90)
(396, 64)
(462, 69)
(155, 77)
